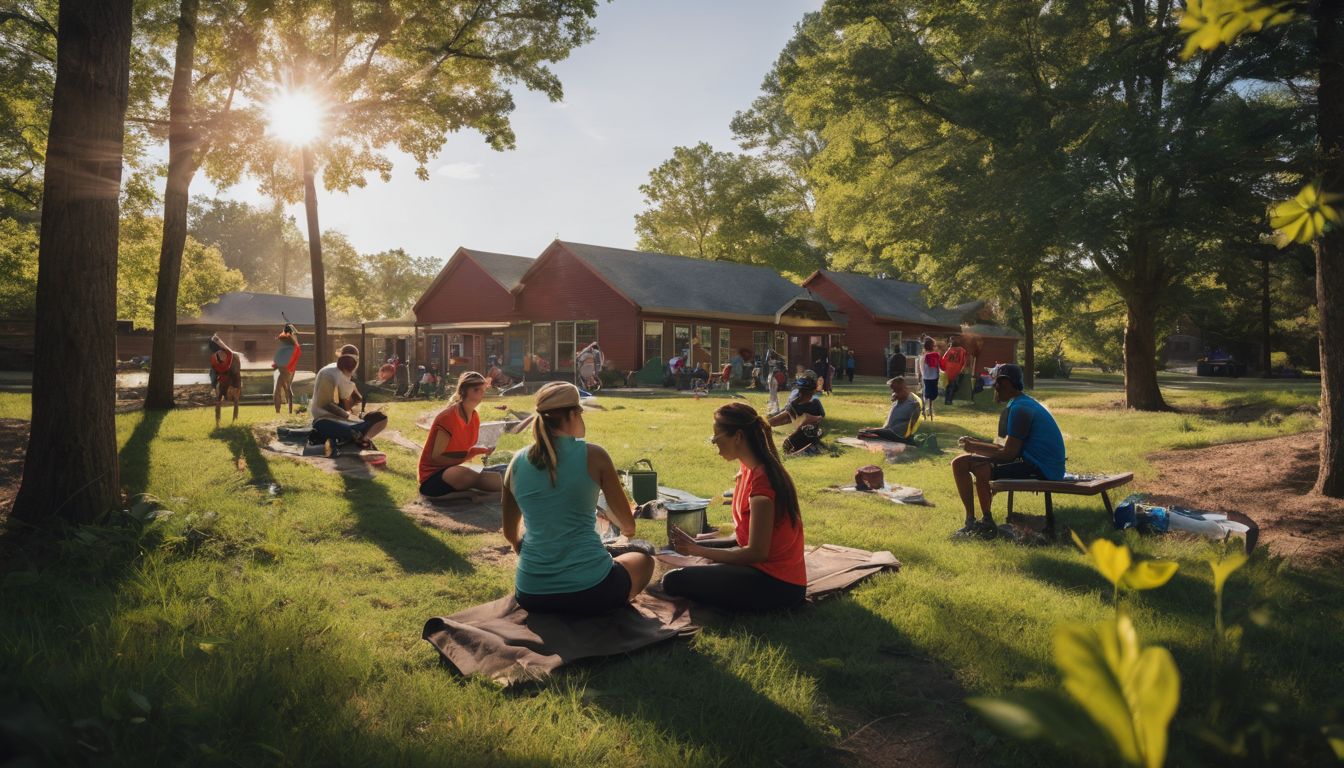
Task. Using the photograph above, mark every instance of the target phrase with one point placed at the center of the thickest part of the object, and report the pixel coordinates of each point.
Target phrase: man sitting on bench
(1033, 448)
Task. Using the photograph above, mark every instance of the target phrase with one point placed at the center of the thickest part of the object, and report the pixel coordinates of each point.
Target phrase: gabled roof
(888, 299)
(248, 308)
(959, 314)
(660, 282)
(507, 270)
(504, 268)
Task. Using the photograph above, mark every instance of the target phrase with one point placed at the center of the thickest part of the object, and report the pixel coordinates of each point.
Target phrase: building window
(542, 353)
(706, 335)
(564, 347)
(760, 344)
(782, 344)
(250, 349)
(725, 347)
(681, 339)
(435, 351)
(585, 333)
(912, 348)
(653, 342)
(893, 341)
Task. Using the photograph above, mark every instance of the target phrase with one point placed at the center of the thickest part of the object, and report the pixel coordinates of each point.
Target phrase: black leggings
(734, 587)
(882, 433)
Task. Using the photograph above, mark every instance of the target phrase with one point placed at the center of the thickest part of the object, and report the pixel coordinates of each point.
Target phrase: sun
(295, 117)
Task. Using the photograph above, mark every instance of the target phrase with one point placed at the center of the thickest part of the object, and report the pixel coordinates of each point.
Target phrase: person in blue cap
(805, 413)
(1032, 448)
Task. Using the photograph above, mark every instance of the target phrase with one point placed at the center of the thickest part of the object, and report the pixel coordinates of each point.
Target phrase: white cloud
(463, 171)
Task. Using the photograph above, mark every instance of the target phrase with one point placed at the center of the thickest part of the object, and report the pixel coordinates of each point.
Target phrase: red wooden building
(887, 314)
(533, 315)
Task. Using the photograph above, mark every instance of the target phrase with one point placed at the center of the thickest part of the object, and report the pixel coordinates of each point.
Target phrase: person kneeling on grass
(334, 398)
(1033, 448)
(765, 570)
(552, 487)
(452, 442)
(804, 412)
(903, 418)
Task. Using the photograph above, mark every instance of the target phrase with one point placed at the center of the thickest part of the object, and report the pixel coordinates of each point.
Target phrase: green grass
(250, 628)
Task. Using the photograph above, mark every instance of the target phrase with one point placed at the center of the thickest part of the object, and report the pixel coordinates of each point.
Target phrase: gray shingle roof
(888, 299)
(660, 281)
(506, 269)
(248, 308)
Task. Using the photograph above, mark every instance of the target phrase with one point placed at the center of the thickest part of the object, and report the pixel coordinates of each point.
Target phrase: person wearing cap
(286, 361)
(1033, 448)
(766, 570)
(552, 488)
(903, 418)
(452, 443)
(334, 395)
(804, 412)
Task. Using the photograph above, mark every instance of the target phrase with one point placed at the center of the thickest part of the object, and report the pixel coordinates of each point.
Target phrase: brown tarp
(502, 642)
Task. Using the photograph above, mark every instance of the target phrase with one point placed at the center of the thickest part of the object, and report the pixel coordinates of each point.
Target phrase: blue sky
(659, 74)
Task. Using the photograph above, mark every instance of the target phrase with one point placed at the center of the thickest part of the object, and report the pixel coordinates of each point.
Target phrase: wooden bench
(1089, 486)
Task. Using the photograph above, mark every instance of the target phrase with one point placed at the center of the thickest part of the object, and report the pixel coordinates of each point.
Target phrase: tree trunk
(1141, 390)
(320, 348)
(1024, 300)
(1265, 319)
(181, 168)
(70, 469)
(1330, 252)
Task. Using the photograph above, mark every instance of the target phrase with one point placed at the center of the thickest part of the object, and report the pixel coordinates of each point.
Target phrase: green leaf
(1154, 686)
(1149, 574)
(1088, 658)
(138, 699)
(1224, 568)
(1334, 734)
(1013, 718)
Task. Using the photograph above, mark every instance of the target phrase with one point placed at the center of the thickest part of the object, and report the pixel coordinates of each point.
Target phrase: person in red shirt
(226, 375)
(765, 571)
(452, 442)
(954, 360)
(286, 361)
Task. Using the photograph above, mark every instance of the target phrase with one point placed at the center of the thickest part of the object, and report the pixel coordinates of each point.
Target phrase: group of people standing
(934, 364)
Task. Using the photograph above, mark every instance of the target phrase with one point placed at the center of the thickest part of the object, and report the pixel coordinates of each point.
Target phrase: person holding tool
(285, 363)
(226, 375)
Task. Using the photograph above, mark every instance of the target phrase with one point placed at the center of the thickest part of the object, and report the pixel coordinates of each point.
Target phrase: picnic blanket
(348, 462)
(502, 642)
(893, 492)
(893, 451)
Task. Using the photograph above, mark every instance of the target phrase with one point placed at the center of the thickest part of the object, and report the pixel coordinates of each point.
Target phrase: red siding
(466, 293)
(564, 288)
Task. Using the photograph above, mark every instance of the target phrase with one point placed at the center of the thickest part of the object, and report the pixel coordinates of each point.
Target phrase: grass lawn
(249, 628)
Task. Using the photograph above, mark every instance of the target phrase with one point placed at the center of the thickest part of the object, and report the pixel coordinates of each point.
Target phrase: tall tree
(27, 74)
(70, 468)
(1158, 150)
(722, 206)
(1330, 249)
(264, 244)
(377, 286)
(401, 77)
(203, 275)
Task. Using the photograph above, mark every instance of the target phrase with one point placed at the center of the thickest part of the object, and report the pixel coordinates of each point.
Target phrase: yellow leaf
(1088, 665)
(1224, 568)
(1154, 686)
(1111, 560)
(1149, 574)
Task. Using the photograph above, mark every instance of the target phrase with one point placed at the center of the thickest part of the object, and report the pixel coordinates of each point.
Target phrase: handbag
(869, 478)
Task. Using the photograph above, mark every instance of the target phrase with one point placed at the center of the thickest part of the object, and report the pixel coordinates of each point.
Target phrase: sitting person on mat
(552, 487)
(1033, 448)
(765, 570)
(452, 443)
(805, 413)
(902, 419)
(334, 398)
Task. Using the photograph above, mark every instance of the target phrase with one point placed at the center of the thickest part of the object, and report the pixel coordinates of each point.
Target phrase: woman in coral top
(452, 442)
(765, 570)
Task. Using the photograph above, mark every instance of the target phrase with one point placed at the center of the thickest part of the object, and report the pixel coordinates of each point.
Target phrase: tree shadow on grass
(245, 451)
(134, 456)
(380, 520)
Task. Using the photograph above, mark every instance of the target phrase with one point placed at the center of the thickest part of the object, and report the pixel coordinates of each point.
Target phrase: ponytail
(542, 454)
(740, 417)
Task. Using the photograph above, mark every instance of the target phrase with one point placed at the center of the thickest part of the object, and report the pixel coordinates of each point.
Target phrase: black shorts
(435, 485)
(608, 594)
(1017, 469)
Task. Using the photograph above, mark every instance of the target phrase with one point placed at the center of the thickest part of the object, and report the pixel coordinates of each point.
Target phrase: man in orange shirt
(954, 359)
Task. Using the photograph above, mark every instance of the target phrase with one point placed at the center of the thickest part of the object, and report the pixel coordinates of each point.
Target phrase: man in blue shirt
(1033, 447)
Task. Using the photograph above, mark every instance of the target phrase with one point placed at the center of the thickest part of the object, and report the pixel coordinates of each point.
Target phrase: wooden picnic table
(1091, 485)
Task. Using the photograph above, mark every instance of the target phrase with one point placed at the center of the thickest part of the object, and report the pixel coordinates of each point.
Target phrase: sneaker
(986, 530)
(964, 532)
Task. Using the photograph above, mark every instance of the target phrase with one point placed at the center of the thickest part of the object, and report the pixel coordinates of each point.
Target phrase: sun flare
(294, 117)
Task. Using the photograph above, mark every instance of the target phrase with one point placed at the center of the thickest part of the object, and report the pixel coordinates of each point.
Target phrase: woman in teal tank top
(552, 488)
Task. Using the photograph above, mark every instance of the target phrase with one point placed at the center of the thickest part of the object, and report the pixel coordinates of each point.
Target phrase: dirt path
(1269, 481)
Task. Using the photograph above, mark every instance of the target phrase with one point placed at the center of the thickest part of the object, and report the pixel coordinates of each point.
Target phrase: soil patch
(184, 396)
(13, 443)
(1269, 481)
(469, 513)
